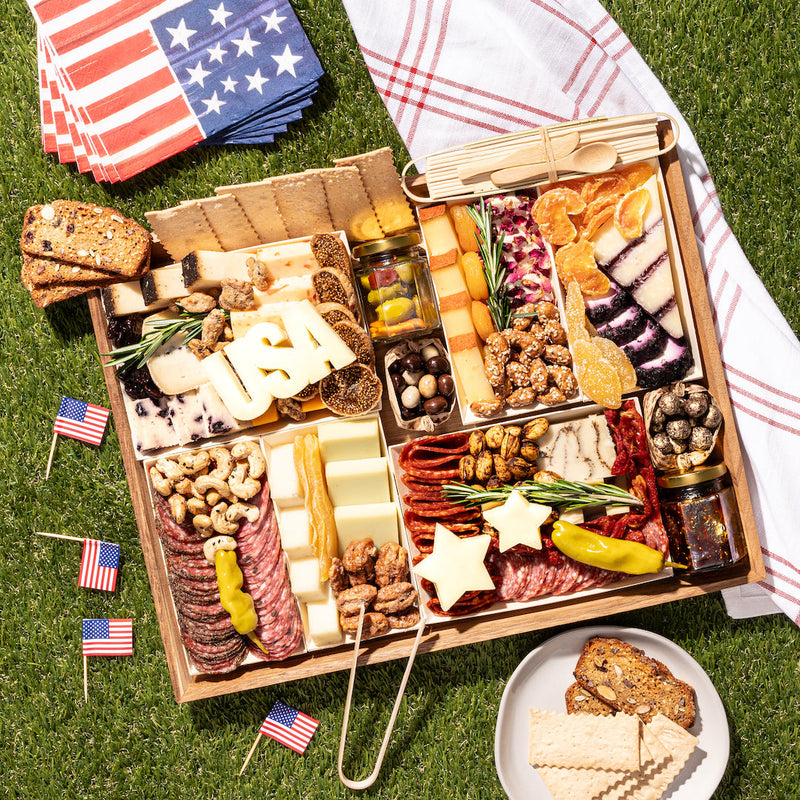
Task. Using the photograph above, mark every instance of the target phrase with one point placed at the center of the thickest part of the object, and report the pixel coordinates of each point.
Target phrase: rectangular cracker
(349, 204)
(229, 222)
(583, 740)
(382, 183)
(302, 203)
(182, 229)
(261, 208)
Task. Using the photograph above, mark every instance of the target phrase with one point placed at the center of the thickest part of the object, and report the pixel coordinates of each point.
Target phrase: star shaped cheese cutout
(518, 521)
(456, 565)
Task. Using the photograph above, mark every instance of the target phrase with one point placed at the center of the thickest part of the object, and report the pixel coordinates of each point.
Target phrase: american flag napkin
(124, 85)
(450, 73)
(99, 565)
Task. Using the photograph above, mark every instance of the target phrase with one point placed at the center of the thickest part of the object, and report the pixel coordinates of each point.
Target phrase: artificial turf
(731, 67)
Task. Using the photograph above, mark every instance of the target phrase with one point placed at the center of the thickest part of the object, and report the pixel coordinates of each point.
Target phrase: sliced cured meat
(512, 574)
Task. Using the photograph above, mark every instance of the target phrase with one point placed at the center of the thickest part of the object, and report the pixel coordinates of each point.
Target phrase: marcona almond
(642, 709)
(606, 692)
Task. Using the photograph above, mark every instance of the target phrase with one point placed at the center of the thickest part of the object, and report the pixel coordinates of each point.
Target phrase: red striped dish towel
(452, 72)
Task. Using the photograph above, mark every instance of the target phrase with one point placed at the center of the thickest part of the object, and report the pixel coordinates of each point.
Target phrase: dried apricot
(474, 277)
(575, 313)
(466, 229)
(575, 262)
(621, 362)
(597, 377)
(636, 174)
(630, 213)
(481, 319)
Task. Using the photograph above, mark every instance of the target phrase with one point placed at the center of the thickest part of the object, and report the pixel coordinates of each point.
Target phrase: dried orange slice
(596, 375)
(575, 313)
(608, 184)
(575, 262)
(630, 213)
(636, 174)
(593, 224)
(466, 229)
(621, 362)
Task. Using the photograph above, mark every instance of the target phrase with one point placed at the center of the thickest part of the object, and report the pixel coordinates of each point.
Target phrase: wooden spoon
(592, 158)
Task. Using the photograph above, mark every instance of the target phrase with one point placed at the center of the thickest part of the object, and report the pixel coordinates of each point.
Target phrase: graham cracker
(182, 229)
(385, 192)
(229, 222)
(349, 204)
(258, 202)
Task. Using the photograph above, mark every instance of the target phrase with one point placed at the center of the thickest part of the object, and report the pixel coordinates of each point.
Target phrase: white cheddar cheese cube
(295, 532)
(359, 481)
(322, 622)
(378, 521)
(350, 439)
(284, 485)
(304, 577)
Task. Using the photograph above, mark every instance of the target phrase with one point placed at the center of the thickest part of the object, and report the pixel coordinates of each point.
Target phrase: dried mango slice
(630, 213)
(621, 362)
(636, 174)
(596, 375)
(472, 266)
(575, 262)
(575, 313)
(466, 229)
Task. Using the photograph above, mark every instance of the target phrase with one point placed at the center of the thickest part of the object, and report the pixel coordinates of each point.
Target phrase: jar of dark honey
(701, 516)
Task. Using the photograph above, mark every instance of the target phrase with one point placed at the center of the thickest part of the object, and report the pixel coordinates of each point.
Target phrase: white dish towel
(452, 72)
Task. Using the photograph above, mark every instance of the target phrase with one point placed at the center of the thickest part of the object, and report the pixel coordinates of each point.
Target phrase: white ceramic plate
(544, 675)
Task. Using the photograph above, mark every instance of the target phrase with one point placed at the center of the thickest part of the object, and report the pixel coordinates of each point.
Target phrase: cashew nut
(160, 483)
(242, 510)
(202, 524)
(224, 462)
(196, 506)
(212, 498)
(194, 463)
(169, 468)
(221, 525)
(211, 546)
(177, 505)
(184, 487)
(243, 486)
(255, 458)
(205, 483)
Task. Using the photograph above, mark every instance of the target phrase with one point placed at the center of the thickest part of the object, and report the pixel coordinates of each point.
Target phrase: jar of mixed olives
(701, 517)
(395, 287)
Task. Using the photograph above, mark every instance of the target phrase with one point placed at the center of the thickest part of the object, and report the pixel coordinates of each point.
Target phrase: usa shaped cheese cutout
(249, 373)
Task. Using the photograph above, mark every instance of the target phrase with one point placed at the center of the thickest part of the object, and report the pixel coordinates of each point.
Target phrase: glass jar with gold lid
(701, 517)
(395, 287)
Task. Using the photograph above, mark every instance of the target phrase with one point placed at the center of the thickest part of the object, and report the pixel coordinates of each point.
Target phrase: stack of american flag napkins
(125, 84)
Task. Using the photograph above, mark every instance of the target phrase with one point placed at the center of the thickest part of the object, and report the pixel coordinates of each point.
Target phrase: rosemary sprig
(188, 324)
(493, 269)
(562, 494)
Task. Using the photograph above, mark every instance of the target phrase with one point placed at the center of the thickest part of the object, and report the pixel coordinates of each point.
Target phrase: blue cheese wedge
(151, 424)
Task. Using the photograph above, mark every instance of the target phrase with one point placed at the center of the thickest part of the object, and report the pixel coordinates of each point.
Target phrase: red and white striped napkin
(452, 72)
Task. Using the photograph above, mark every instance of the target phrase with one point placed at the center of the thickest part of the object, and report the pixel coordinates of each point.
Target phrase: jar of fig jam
(701, 517)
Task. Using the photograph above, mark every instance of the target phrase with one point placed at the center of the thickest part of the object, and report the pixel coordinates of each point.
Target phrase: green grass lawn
(731, 67)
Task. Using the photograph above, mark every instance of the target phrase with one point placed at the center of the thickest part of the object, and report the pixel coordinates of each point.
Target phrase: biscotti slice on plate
(581, 701)
(628, 680)
(87, 234)
(49, 271)
(44, 296)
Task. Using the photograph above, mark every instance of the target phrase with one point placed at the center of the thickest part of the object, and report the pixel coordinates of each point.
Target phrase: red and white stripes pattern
(452, 71)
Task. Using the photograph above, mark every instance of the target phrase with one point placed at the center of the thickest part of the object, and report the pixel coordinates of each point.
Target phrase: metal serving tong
(372, 777)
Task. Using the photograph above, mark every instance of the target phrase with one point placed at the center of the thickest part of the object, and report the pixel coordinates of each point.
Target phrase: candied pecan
(236, 295)
(197, 303)
(539, 376)
(338, 577)
(545, 310)
(486, 408)
(395, 597)
(351, 600)
(554, 331)
(552, 396)
(291, 408)
(518, 374)
(557, 354)
(359, 559)
(522, 323)
(259, 274)
(521, 397)
(374, 624)
(213, 326)
(564, 379)
(498, 346)
(494, 368)
(391, 566)
(405, 619)
(199, 349)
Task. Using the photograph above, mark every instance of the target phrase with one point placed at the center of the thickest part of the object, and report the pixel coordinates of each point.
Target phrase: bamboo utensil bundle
(466, 171)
